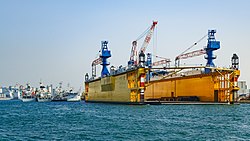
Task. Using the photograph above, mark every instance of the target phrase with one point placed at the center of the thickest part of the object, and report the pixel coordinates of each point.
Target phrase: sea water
(92, 121)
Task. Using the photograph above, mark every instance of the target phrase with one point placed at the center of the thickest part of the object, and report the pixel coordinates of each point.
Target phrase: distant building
(243, 88)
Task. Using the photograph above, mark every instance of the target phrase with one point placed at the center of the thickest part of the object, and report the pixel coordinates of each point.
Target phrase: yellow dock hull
(200, 86)
(124, 88)
(120, 92)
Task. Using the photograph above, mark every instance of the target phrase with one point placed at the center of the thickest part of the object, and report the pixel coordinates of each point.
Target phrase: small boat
(44, 94)
(59, 94)
(15, 91)
(76, 98)
(28, 94)
(5, 94)
(73, 96)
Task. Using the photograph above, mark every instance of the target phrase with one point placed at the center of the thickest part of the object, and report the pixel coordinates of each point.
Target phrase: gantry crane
(105, 54)
(212, 45)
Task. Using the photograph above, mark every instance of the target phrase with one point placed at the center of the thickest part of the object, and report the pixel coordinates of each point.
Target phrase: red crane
(190, 55)
(184, 55)
(148, 37)
(164, 61)
(97, 61)
(133, 54)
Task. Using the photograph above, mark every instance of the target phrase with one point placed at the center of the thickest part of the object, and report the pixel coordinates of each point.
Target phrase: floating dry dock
(142, 83)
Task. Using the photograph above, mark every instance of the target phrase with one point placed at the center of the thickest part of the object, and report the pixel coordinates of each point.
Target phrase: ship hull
(74, 99)
(44, 99)
(28, 99)
(5, 98)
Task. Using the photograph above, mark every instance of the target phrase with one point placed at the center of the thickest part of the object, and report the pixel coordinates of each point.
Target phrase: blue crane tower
(212, 45)
(105, 55)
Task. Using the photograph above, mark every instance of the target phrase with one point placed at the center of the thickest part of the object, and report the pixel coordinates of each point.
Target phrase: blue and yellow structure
(142, 84)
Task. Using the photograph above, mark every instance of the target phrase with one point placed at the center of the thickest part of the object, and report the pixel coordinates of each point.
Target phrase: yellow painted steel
(117, 88)
(119, 93)
(190, 86)
(133, 85)
(219, 86)
(226, 85)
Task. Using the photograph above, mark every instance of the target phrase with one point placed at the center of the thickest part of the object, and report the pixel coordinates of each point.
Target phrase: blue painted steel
(131, 62)
(105, 55)
(149, 60)
(212, 45)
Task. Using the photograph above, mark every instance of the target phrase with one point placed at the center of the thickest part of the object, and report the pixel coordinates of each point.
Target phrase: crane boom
(97, 61)
(148, 37)
(185, 55)
(191, 54)
(161, 62)
(133, 55)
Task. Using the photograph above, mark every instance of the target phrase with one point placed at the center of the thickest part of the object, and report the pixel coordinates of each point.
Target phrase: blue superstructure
(212, 45)
(105, 55)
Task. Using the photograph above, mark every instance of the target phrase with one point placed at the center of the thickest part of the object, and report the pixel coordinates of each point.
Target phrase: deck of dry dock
(187, 103)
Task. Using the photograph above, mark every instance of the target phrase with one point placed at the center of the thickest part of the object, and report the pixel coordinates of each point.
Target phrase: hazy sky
(56, 40)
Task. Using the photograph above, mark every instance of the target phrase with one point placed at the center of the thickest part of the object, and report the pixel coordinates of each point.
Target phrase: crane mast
(133, 54)
(105, 54)
(212, 45)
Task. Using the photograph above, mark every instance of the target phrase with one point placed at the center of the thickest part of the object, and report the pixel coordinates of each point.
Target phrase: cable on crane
(155, 43)
(177, 59)
(97, 55)
(194, 44)
(143, 34)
